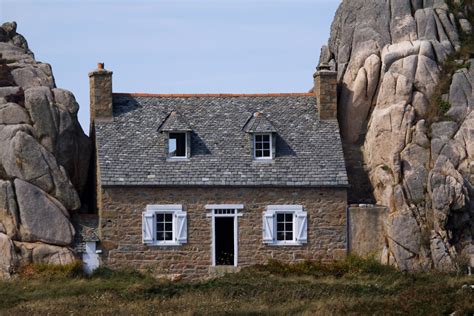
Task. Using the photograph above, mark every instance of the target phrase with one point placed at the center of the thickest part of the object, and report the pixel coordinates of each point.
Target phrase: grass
(353, 286)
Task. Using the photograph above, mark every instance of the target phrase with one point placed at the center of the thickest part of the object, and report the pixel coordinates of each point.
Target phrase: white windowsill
(285, 243)
(177, 159)
(164, 244)
(263, 160)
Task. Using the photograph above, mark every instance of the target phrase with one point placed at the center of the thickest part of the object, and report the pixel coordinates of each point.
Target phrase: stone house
(198, 184)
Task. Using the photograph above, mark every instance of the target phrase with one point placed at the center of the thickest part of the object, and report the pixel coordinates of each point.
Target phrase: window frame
(293, 228)
(270, 140)
(177, 211)
(296, 211)
(186, 150)
(173, 225)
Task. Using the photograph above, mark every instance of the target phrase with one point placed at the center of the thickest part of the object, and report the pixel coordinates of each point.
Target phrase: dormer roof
(258, 123)
(174, 122)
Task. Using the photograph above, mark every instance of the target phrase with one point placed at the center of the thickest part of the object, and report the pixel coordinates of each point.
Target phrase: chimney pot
(100, 66)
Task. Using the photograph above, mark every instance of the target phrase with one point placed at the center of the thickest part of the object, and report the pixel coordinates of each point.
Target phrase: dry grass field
(354, 286)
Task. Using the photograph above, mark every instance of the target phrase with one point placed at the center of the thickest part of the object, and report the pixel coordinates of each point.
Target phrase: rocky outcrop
(44, 159)
(389, 55)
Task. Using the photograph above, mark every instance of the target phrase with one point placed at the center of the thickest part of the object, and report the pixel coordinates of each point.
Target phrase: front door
(225, 232)
(224, 241)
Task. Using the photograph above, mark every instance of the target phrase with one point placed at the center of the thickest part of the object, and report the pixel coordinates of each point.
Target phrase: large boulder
(9, 219)
(23, 157)
(39, 213)
(44, 159)
(389, 56)
(8, 258)
(44, 254)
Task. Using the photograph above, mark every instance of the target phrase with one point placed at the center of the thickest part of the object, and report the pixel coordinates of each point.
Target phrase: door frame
(235, 215)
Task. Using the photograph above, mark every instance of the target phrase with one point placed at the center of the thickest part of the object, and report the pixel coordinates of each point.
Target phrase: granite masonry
(191, 186)
(121, 233)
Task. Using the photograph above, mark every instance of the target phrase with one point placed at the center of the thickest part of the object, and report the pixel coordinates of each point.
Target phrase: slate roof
(131, 149)
(174, 122)
(258, 123)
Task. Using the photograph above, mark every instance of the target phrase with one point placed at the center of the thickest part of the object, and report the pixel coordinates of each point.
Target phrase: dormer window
(262, 137)
(177, 145)
(177, 134)
(262, 145)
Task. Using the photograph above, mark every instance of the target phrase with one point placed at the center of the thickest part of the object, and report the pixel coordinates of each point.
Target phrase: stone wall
(121, 230)
(100, 82)
(325, 89)
(366, 230)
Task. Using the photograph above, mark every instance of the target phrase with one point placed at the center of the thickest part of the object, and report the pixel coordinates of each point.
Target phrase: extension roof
(131, 148)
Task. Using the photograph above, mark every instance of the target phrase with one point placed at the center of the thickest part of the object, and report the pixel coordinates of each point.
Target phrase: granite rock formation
(390, 56)
(44, 159)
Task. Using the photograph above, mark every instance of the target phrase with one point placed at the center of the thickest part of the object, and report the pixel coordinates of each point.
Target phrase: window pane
(160, 227)
(289, 236)
(266, 153)
(160, 217)
(169, 227)
(258, 154)
(280, 217)
(172, 146)
(177, 144)
(280, 236)
(160, 236)
(258, 138)
(289, 217)
(258, 146)
(168, 217)
(168, 236)
(289, 226)
(280, 226)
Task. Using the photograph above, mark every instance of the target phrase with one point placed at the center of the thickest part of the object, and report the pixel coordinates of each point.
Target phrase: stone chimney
(100, 82)
(325, 89)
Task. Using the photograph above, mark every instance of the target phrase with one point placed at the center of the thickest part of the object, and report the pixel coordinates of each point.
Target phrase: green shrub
(443, 105)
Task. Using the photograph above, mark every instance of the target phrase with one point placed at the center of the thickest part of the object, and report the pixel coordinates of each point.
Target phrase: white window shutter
(301, 227)
(148, 227)
(268, 227)
(181, 227)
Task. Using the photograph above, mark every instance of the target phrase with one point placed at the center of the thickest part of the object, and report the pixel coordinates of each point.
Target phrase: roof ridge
(190, 95)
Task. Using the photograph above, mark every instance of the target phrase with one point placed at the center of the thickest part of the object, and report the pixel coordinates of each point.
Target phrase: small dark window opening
(285, 226)
(177, 145)
(164, 226)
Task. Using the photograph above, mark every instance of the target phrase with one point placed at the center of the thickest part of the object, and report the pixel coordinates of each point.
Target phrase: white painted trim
(223, 206)
(186, 156)
(295, 210)
(213, 229)
(164, 207)
(255, 147)
(289, 208)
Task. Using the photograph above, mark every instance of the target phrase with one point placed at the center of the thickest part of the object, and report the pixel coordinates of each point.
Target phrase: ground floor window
(285, 225)
(164, 225)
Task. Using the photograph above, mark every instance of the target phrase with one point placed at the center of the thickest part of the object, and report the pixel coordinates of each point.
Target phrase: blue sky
(176, 46)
